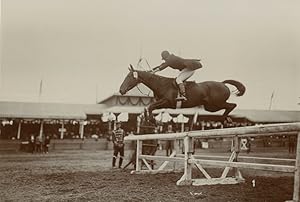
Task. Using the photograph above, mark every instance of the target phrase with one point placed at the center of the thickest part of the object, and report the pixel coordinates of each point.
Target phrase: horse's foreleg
(156, 105)
(146, 113)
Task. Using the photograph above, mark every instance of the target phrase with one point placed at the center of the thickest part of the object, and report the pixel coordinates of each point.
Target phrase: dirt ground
(87, 176)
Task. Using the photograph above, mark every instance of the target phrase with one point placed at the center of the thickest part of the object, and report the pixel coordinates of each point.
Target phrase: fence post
(138, 164)
(297, 172)
(186, 178)
(188, 148)
(176, 148)
(237, 149)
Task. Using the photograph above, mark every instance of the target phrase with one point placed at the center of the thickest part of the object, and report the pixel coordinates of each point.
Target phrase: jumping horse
(212, 95)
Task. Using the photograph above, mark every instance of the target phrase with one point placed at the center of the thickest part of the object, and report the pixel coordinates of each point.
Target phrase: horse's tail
(240, 87)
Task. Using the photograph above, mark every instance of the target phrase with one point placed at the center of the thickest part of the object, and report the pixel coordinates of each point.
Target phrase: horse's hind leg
(228, 108)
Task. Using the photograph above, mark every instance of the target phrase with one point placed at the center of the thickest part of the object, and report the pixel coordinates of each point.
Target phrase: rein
(143, 92)
(135, 75)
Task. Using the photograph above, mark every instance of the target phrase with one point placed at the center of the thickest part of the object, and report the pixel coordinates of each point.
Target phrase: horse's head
(130, 81)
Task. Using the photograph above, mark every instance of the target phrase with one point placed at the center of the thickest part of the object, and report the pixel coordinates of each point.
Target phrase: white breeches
(184, 75)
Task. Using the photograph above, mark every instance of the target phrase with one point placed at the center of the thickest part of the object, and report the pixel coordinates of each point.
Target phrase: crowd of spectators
(39, 144)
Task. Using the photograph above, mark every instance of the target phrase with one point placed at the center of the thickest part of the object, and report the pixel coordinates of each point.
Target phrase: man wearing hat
(118, 140)
(187, 68)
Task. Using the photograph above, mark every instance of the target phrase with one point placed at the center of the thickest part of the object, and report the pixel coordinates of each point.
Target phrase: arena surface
(87, 176)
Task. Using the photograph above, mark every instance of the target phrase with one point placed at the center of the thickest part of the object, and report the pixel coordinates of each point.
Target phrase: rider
(118, 141)
(187, 68)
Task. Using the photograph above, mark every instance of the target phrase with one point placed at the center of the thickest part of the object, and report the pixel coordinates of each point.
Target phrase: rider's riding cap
(165, 54)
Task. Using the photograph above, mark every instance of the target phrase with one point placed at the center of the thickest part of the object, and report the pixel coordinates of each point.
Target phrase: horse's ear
(131, 67)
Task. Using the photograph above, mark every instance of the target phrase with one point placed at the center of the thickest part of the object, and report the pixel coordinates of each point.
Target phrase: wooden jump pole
(167, 136)
(253, 130)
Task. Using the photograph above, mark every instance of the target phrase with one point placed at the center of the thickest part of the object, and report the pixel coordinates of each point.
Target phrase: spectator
(31, 143)
(47, 144)
(118, 141)
(38, 144)
(169, 143)
(159, 142)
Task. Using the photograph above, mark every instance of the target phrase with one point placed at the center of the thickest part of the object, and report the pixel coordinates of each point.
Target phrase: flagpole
(96, 93)
(271, 101)
(1, 28)
(40, 90)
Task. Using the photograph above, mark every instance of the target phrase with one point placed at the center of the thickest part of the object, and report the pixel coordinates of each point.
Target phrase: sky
(81, 49)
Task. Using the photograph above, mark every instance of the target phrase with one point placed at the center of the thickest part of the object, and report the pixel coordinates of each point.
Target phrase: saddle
(187, 84)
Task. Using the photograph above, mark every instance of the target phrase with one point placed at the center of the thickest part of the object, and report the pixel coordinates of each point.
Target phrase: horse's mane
(156, 78)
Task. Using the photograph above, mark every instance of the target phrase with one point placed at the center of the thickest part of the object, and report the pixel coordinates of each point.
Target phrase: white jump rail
(236, 133)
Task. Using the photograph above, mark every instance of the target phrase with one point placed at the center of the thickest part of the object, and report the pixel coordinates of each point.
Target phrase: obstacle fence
(189, 159)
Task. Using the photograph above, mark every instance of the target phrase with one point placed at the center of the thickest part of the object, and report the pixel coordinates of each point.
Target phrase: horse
(149, 147)
(212, 95)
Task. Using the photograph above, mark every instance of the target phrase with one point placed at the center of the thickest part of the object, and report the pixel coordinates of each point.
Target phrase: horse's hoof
(228, 119)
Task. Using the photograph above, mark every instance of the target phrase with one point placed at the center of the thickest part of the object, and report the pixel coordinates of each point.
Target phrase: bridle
(136, 76)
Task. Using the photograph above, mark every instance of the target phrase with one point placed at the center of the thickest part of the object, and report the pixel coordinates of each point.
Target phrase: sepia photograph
(150, 100)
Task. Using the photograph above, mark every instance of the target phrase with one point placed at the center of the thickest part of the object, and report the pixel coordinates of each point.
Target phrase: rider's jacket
(118, 136)
(179, 63)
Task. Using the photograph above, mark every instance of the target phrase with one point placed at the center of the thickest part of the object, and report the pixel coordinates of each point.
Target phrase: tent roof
(47, 110)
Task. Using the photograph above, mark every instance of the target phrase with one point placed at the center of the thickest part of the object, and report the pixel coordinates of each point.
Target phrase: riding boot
(181, 92)
(114, 162)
